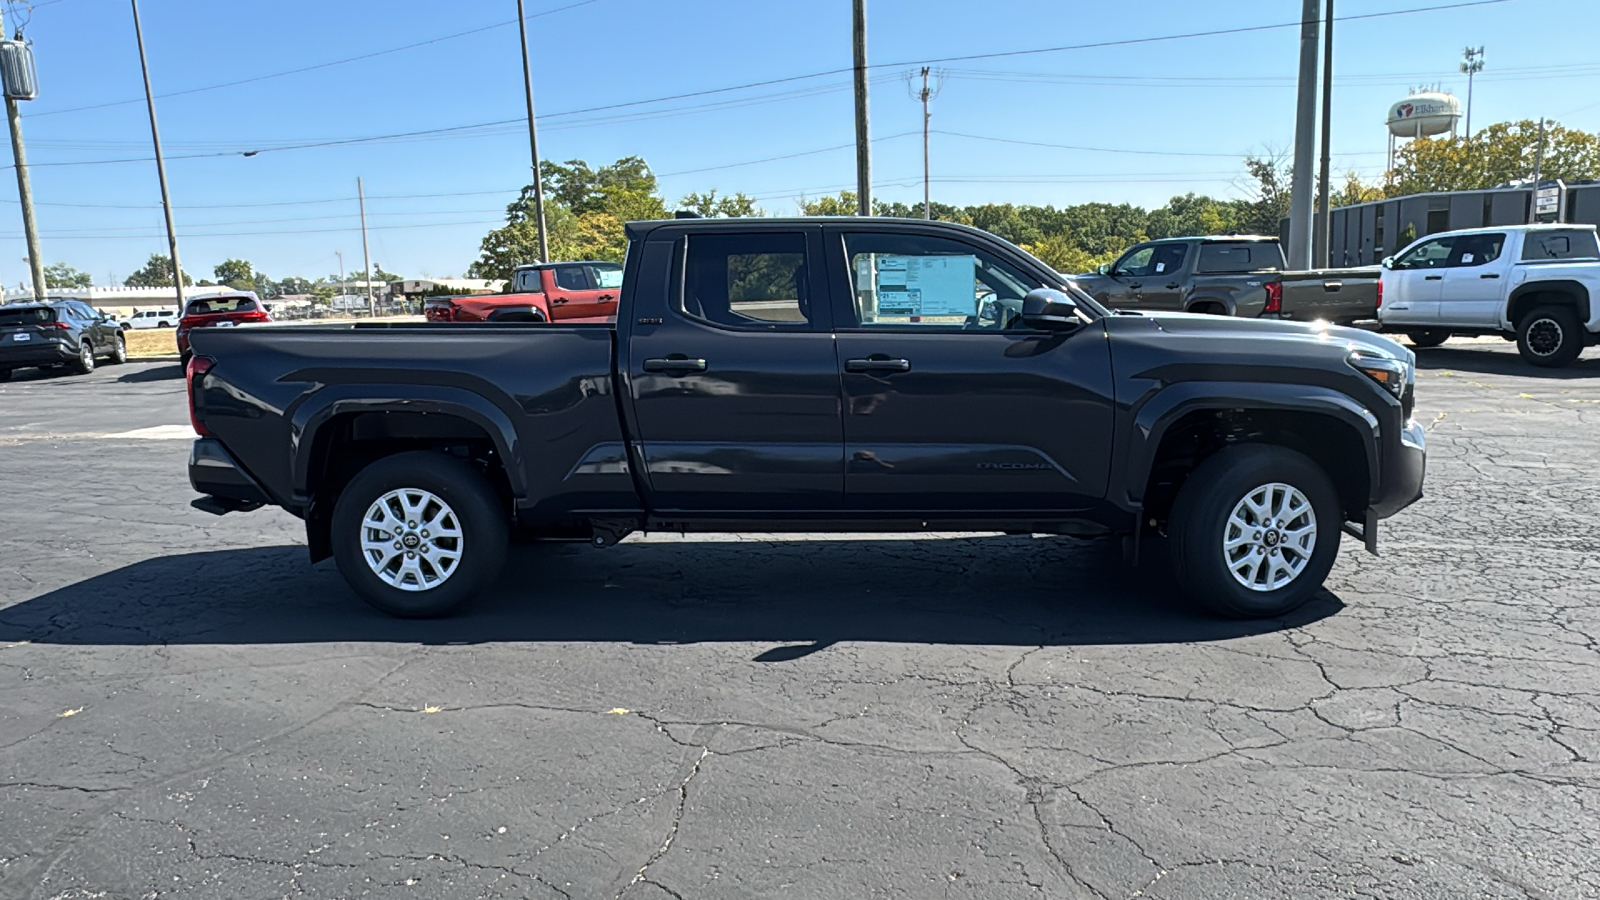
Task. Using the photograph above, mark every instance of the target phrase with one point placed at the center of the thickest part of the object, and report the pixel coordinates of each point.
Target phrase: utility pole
(161, 167)
(863, 138)
(1538, 166)
(1470, 66)
(1305, 132)
(342, 287)
(24, 189)
(533, 141)
(366, 257)
(926, 94)
(1323, 237)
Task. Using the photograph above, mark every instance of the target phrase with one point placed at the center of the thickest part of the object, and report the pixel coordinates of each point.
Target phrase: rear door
(584, 290)
(949, 406)
(732, 373)
(1414, 283)
(1473, 290)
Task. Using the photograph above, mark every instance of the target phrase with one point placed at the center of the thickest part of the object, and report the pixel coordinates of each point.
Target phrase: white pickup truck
(1538, 285)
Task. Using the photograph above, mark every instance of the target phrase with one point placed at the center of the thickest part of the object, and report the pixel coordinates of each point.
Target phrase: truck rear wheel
(1255, 530)
(1550, 336)
(418, 534)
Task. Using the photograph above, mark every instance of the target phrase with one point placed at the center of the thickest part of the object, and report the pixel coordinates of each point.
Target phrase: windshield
(28, 315)
(208, 305)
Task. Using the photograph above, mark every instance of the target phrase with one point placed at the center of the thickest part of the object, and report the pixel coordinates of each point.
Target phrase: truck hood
(1191, 346)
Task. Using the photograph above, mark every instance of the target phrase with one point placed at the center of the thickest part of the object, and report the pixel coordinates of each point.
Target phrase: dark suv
(57, 333)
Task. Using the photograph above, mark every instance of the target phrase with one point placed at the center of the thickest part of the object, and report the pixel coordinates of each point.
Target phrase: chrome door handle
(675, 364)
(881, 364)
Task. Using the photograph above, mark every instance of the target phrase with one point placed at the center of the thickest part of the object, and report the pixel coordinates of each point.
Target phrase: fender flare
(306, 420)
(1151, 419)
(513, 313)
(1578, 291)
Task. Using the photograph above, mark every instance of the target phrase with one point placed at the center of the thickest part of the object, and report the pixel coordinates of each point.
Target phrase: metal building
(1365, 233)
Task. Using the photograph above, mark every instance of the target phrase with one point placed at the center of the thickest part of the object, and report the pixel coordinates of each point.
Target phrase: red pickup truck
(548, 292)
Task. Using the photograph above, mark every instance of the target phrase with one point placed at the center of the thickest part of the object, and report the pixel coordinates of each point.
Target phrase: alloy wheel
(411, 539)
(1268, 539)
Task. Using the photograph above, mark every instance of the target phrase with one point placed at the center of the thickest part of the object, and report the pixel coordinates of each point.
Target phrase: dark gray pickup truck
(841, 374)
(1235, 275)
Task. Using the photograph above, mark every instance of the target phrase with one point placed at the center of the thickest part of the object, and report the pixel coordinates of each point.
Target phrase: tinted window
(1575, 244)
(1476, 249)
(919, 281)
(572, 278)
(208, 305)
(745, 280)
(1434, 254)
(1257, 256)
(28, 315)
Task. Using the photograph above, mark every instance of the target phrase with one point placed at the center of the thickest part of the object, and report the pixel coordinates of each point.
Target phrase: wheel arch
(1222, 300)
(1186, 424)
(1534, 294)
(518, 314)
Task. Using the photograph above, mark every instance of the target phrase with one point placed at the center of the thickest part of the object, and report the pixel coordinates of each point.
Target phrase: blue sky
(1191, 107)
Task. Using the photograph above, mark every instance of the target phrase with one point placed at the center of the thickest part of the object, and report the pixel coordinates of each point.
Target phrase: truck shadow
(1501, 362)
(802, 595)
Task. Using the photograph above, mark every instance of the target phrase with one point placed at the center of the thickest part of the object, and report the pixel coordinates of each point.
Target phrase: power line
(311, 68)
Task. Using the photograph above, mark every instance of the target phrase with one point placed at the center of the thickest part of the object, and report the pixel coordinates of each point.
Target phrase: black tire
(1550, 337)
(1432, 337)
(119, 351)
(1200, 524)
(479, 514)
(84, 364)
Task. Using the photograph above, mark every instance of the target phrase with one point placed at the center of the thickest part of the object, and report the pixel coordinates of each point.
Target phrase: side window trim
(817, 286)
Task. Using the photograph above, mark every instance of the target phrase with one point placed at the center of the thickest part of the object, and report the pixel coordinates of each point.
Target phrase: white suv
(1536, 284)
(151, 318)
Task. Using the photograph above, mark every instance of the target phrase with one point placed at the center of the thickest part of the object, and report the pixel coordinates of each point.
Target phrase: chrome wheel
(1544, 336)
(85, 356)
(411, 539)
(1269, 537)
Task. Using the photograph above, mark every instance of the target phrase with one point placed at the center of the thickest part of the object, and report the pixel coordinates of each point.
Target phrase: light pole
(533, 141)
(161, 167)
(30, 229)
(1303, 183)
(1471, 65)
(858, 35)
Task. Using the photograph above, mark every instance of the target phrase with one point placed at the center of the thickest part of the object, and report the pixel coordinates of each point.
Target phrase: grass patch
(151, 342)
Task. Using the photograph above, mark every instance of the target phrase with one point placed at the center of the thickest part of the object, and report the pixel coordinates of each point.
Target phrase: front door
(949, 405)
(733, 378)
(1472, 288)
(1414, 282)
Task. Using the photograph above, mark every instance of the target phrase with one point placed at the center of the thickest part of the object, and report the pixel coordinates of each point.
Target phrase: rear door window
(1574, 244)
(1254, 256)
(745, 281)
(572, 278)
(1476, 249)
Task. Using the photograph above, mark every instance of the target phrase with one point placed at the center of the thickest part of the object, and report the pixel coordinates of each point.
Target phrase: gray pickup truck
(1232, 275)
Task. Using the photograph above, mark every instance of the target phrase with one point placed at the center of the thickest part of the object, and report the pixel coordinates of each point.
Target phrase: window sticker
(1160, 267)
(1466, 257)
(926, 285)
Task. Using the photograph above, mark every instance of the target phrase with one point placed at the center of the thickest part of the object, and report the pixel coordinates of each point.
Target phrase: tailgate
(1333, 295)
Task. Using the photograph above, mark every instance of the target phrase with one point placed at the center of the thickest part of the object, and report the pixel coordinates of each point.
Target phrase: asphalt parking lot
(190, 710)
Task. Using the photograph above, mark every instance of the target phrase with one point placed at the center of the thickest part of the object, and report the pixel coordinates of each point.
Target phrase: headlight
(1395, 375)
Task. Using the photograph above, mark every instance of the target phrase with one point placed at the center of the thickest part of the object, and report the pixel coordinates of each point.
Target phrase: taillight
(1380, 294)
(59, 325)
(197, 368)
(1274, 297)
(257, 316)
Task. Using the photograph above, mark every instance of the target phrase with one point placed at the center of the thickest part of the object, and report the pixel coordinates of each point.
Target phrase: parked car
(815, 375)
(218, 310)
(1232, 275)
(57, 333)
(150, 318)
(1538, 285)
(548, 292)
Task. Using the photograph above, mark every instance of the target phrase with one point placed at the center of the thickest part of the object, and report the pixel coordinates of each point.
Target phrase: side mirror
(1388, 262)
(1048, 309)
(1103, 269)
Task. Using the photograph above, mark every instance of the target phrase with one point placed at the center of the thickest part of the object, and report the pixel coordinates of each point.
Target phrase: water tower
(1422, 114)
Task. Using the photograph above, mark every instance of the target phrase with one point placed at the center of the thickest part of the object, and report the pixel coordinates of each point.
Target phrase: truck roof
(1496, 229)
(638, 229)
(564, 262)
(1215, 238)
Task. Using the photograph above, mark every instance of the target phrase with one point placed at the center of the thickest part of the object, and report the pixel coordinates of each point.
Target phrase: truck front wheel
(1431, 337)
(1255, 530)
(1550, 336)
(418, 534)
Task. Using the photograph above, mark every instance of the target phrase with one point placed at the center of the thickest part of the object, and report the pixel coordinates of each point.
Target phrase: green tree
(238, 274)
(157, 272)
(844, 204)
(1062, 253)
(1270, 179)
(579, 188)
(294, 284)
(1500, 153)
(711, 206)
(1355, 191)
(1192, 214)
(61, 275)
